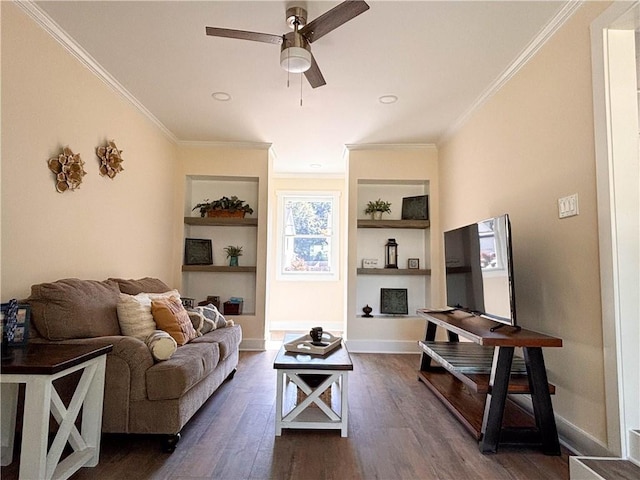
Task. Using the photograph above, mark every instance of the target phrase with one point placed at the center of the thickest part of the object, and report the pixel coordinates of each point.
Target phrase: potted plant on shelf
(224, 207)
(232, 254)
(377, 208)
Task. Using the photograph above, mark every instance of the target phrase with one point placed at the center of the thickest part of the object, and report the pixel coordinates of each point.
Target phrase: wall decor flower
(110, 159)
(68, 168)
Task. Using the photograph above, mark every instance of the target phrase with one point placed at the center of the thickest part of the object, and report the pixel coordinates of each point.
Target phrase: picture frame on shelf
(413, 263)
(415, 208)
(394, 301)
(16, 321)
(198, 251)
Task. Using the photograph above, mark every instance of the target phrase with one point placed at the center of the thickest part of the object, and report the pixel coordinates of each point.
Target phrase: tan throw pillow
(170, 316)
(134, 315)
(161, 345)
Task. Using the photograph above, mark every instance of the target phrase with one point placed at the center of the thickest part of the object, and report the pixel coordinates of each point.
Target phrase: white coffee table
(312, 412)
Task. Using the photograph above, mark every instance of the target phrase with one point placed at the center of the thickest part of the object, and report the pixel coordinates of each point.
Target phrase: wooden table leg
(496, 399)
(541, 400)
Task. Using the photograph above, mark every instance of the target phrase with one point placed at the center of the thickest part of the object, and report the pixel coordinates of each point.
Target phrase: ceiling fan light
(295, 59)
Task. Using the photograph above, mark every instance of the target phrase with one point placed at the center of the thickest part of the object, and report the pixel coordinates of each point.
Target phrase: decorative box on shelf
(233, 306)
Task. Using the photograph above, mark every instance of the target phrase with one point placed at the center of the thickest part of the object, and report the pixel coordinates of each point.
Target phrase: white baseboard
(634, 446)
(573, 438)
(382, 346)
(253, 344)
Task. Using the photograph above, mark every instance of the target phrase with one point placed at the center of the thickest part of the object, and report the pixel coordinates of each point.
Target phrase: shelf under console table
(473, 379)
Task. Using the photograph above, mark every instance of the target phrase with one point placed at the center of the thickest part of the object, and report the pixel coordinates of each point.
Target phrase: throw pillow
(161, 345)
(213, 314)
(134, 315)
(170, 316)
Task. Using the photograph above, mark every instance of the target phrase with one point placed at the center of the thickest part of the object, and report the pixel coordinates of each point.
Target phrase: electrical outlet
(568, 206)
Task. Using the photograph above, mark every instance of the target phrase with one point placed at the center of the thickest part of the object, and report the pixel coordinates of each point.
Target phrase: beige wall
(529, 145)
(250, 162)
(106, 227)
(302, 304)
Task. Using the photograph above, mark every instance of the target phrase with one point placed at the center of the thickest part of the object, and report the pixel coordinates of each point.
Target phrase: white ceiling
(439, 58)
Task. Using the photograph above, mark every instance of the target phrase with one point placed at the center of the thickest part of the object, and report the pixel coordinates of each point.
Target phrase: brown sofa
(141, 395)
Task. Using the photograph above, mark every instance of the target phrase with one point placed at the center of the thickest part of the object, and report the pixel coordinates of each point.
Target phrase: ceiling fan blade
(243, 35)
(314, 75)
(332, 19)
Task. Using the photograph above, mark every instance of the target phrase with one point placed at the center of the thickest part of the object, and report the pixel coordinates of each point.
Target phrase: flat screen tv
(479, 269)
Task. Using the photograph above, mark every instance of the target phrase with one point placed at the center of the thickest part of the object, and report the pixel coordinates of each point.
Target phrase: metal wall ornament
(68, 168)
(110, 159)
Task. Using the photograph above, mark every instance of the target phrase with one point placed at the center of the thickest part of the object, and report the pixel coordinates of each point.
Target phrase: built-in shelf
(393, 271)
(218, 268)
(221, 221)
(415, 224)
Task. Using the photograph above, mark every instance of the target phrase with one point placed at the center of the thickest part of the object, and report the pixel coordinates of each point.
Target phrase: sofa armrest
(127, 365)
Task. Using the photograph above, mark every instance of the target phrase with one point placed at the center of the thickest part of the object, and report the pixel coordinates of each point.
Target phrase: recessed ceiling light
(221, 96)
(315, 165)
(386, 99)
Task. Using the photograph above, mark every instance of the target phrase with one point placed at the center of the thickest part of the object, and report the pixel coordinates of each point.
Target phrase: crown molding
(390, 146)
(63, 38)
(567, 11)
(210, 144)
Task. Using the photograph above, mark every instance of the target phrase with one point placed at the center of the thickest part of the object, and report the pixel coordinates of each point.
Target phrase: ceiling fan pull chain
(288, 70)
(301, 89)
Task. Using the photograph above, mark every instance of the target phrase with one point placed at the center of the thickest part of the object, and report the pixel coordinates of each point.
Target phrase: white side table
(37, 366)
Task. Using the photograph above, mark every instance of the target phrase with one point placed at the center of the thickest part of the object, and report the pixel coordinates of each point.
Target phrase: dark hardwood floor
(397, 430)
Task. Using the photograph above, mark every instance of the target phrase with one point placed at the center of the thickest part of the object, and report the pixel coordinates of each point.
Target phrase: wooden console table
(473, 379)
(37, 366)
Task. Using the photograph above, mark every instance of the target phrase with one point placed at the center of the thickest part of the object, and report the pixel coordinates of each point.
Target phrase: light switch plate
(568, 206)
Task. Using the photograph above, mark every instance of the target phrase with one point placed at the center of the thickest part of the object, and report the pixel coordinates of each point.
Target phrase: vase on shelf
(233, 261)
(367, 311)
(377, 215)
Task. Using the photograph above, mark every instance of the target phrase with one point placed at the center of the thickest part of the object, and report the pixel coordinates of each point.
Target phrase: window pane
(307, 217)
(309, 255)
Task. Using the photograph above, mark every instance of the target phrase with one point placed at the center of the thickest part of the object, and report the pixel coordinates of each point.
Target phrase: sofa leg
(169, 442)
(232, 374)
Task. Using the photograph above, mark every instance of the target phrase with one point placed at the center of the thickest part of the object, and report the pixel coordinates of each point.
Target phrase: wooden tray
(304, 344)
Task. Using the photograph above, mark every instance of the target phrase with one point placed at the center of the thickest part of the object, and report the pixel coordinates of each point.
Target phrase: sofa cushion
(188, 366)
(170, 316)
(146, 285)
(227, 338)
(73, 308)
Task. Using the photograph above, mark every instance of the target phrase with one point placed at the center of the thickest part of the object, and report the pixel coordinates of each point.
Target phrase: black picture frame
(198, 251)
(415, 208)
(16, 322)
(394, 301)
(413, 263)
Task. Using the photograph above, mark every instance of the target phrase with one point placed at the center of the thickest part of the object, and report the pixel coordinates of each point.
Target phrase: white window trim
(334, 274)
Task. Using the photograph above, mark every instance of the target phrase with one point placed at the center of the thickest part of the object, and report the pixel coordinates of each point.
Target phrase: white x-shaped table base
(323, 417)
(41, 400)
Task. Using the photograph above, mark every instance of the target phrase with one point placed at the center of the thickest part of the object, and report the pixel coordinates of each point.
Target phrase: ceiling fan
(295, 50)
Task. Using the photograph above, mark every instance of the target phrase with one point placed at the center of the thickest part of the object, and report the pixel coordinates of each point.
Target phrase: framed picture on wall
(393, 301)
(198, 251)
(413, 263)
(415, 208)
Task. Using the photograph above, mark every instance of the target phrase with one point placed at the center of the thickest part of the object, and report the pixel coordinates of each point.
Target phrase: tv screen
(479, 269)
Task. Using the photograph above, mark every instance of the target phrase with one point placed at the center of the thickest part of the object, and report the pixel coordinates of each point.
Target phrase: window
(308, 235)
